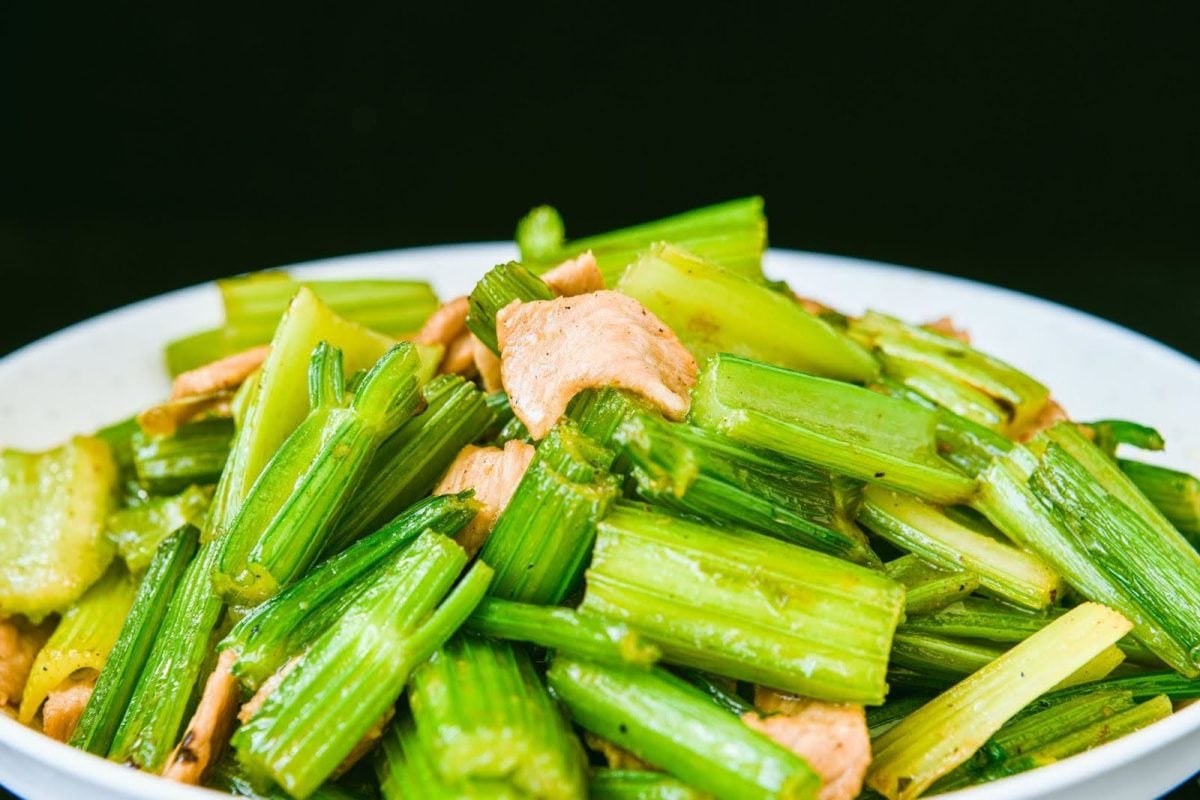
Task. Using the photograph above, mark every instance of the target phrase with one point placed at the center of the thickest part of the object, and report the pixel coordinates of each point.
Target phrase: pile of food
(629, 520)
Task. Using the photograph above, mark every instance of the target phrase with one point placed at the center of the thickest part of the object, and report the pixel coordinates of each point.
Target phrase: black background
(1049, 147)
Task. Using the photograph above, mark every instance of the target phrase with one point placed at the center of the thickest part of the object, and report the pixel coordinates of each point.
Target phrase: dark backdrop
(1049, 147)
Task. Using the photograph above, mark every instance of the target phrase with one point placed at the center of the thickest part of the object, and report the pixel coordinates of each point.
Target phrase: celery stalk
(1107, 434)
(484, 715)
(564, 630)
(673, 725)
(715, 311)
(121, 670)
(841, 427)
(138, 531)
(929, 587)
(1142, 686)
(625, 784)
(194, 455)
(746, 606)
(286, 519)
(405, 769)
(284, 625)
(950, 728)
(1004, 571)
(1176, 494)
(355, 671)
(52, 511)
(409, 463)
(499, 287)
(732, 234)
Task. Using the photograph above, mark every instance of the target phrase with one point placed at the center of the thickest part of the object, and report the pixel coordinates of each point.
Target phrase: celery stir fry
(628, 520)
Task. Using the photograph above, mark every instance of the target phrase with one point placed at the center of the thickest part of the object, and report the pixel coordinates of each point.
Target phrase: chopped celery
(405, 770)
(882, 718)
(281, 627)
(715, 311)
(743, 605)
(953, 374)
(409, 462)
(499, 287)
(195, 350)
(671, 724)
(228, 776)
(542, 539)
(1142, 686)
(52, 511)
(1176, 494)
(354, 672)
(564, 630)
(719, 690)
(732, 234)
(484, 715)
(707, 475)
(929, 587)
(844, 428)
(194, 455)
(123, 666)
(940, 659)
(290, 512)
(1004, 571)
(949, 729)
(139, 530)
(1107, 434)
(966, 445)
(81, 642)
(627, 784)
(599, 413)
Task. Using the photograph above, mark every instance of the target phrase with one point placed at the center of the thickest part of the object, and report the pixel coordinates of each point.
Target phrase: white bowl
(106, 368)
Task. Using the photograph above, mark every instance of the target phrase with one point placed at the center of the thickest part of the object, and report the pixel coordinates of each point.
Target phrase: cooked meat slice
(576, 276)
(208, 730)
(459, 358)
(831, 737)
(554, 349)
(615, 756)
(488, 364)
(251, 706)
(64, 705)
(19, 645)
(166, 418)
(445, 324)
(1051, 414)
(945, 326)
(221, 375)
(493, 474)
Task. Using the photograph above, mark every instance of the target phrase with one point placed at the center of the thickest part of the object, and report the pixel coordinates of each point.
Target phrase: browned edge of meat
(20, 641)
(221, 375)
(445, 324)
(832, 737)
(946, 327)
(575, 276)
(64, 706)
(459, 358)
(208, 731)
(1050, 415)
(615, 756)
(494, 474)
(166, 418)
(554, 349)
(487, 364)
(251, 706)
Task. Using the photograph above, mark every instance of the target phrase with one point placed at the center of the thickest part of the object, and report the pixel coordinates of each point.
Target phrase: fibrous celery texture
(746, 606)
(52, 511)
(502, 285)
(713, 310)
(542, 539)
(705, 474)
(627, 784)
(843, 428)
(670, 723)
(354, 672)
(138, 531)
(194, 454)
(732, 234)
(484, 715)
(929, 587)
(286, 519)
(1176, 494)
(948, 730)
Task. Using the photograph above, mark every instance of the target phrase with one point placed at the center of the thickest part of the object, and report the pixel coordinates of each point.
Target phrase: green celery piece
(843, 428)
(1107, 434)
(280, 401)
(953, 374)
(627, 784)
(354, 672)
(52, 511)
(929, 587)
(715, 311)
(1034, 728)
(1004, 571)
(600, 413)
(673, 725)
(502, 285)
(484, 715)
(276, 630)
(732, 234)
(193, 455)
(123, 667)
(119, 437)
(405, 770)
(502, 415)
(409, 463)
(698, 472)
(949, 729)
(229, 777)
(1142, 686)
(541, 541)
(717, 689)
(564, 630)
(882, 718)
(138, 531)
(254, 303)
(81, 642)
(287, 518)
(1176, 494)
(746, 606)
(938, 658)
